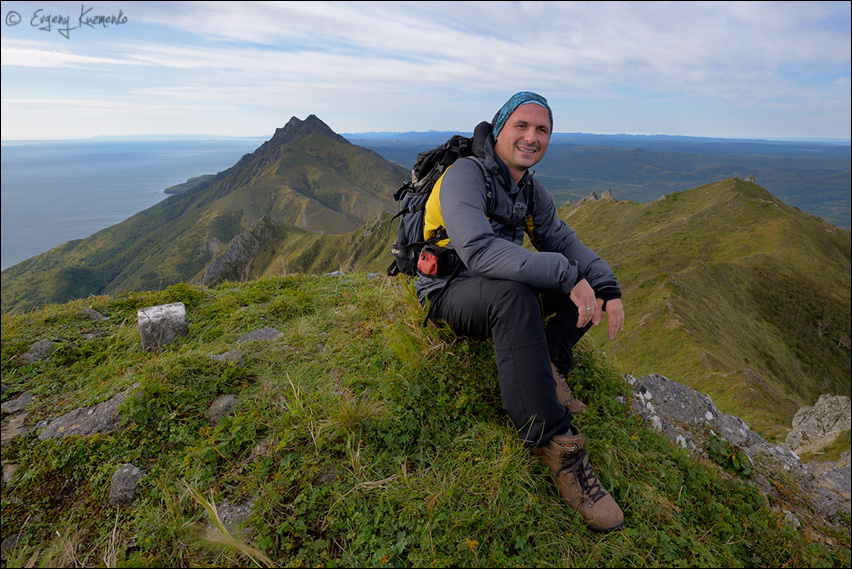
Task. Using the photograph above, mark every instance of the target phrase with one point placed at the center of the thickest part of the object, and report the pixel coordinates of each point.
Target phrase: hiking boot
(563, 393)
(578, 485)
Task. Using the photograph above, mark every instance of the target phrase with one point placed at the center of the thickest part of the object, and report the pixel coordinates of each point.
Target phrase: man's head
(521, 130)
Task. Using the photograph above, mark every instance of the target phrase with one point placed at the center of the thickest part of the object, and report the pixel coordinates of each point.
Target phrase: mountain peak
(296, 129)
(293, 131)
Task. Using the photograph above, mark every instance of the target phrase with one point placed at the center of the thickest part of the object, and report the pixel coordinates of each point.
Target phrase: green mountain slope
(305, 176)
(358, 438)
(729, 291)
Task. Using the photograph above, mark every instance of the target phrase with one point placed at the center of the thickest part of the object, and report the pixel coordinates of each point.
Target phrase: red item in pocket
(427, 264)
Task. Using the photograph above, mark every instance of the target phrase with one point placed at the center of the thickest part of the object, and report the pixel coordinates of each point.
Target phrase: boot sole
(606, 530)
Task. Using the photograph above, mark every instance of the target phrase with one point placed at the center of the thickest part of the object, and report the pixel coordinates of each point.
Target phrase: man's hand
(583, 297)
(591, 309)
(615, 315)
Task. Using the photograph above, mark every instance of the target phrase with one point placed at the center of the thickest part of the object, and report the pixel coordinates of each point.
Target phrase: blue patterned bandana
(518, 99)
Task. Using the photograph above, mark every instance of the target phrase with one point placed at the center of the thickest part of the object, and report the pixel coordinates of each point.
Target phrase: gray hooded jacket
(490, 243)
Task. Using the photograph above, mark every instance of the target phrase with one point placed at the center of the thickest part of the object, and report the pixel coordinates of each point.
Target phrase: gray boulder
(162, 325)
(18, 404)
(38, 351)
(265, 334)
(122, 489)
(221, 407)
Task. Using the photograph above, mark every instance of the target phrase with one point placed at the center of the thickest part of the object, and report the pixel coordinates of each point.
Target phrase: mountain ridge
(720, 274)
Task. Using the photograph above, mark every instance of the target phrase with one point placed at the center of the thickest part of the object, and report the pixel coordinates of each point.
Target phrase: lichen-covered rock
(100, 418)
(221, 407)
(38, 351)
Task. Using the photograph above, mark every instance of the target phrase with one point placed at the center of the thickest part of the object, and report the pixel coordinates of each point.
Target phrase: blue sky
(720, 69)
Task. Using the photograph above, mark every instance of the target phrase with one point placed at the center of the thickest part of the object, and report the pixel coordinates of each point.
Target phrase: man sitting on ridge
(505, 292)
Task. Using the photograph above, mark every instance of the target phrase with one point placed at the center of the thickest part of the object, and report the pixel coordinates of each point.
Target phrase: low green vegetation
(361, 439)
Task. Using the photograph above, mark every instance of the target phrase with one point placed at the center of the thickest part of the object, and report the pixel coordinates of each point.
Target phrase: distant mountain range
(813, 176)
(727, 288)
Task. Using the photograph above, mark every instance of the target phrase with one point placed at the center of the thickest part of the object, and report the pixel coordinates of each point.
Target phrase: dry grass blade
(111, 554)
(221, 536)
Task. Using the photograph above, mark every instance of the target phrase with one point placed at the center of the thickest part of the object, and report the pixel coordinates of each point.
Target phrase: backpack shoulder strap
(489, 184)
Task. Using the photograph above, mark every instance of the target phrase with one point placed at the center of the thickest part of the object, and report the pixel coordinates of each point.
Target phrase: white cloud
(33, 57)
(350, 56)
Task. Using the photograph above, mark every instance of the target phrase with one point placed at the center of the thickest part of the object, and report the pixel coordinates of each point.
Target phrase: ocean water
(55, 192)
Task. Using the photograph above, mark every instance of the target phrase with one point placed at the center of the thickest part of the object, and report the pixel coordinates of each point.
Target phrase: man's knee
(516, 300)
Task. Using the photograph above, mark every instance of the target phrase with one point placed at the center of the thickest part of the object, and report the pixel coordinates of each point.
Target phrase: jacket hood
(483, 149)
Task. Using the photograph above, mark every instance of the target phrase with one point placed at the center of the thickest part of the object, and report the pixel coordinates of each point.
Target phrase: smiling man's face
(523, 140)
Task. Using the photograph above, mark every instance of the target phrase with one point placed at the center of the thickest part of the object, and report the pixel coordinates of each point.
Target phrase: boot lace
(563, 383)
(585, 476)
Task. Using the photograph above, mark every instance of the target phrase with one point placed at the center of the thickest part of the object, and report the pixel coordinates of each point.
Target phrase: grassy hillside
(360, 439)
(732, 292)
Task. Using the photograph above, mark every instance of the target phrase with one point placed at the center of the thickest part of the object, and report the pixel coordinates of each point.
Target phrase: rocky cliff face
(235, 261)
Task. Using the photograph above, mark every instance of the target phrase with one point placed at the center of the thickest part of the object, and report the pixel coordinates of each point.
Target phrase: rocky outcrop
(592, 197)
(691, 419)
(222, 407)
(38, 351)
(84, 421)
(818, 426)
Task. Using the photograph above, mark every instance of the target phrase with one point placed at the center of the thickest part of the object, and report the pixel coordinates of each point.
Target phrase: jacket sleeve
(463, 208)
(550, 233)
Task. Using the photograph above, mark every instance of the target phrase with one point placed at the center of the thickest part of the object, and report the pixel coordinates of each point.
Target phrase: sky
(768, 70)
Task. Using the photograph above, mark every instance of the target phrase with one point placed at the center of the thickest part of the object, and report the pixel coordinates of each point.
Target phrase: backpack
(408, 247)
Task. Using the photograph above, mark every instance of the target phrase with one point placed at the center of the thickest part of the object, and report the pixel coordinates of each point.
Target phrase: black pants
(513, 315)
